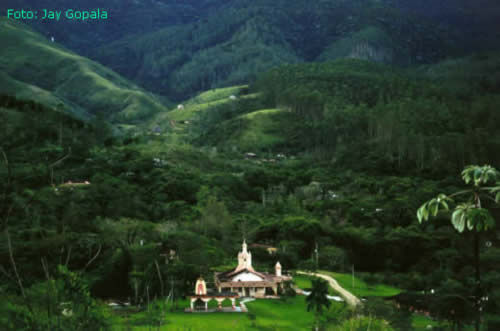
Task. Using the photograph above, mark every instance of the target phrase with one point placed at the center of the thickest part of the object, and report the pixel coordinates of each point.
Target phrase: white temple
(245, 281)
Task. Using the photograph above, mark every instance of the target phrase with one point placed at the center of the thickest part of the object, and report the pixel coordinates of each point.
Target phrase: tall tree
(317, 299)
(469, 214)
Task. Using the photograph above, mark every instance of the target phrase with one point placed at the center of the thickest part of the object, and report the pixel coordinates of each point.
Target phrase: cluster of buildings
(243, 281)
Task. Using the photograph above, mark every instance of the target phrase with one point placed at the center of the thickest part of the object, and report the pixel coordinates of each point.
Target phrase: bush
(493, 323)
(307, 265)
(362, 323)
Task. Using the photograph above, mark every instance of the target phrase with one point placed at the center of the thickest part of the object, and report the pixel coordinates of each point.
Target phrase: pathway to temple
(242, 303)
(348, 296)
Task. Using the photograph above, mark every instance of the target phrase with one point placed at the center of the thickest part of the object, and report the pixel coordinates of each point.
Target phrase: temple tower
(244, 258)
(277, 269)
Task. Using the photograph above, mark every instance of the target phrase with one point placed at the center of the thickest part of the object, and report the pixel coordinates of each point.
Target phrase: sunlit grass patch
(360, 288)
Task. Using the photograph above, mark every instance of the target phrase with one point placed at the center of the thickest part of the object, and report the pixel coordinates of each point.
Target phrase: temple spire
(244, 258)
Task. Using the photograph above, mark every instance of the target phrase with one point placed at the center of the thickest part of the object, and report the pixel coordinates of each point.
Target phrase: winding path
(348, 296)
(242, 304)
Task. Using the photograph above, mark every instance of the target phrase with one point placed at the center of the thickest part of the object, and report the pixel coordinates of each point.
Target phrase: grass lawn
(190, 111)
(206, 101)
(305, 283)
(302, 281)
(279, 315)
(361, 288)
(216, 94)
(269, 315)
(262, 129)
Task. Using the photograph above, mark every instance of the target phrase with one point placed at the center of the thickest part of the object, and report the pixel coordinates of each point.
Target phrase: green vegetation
(192, 115)
(217, 94)
(360, 288)
(33, 67)
(420, 322)
(11, 86)
(289, 315)
(391, 117)
(260, 130)
(264, 314)
(356, 148)
(303, 282)
(361, 323)
(471, 215)
(371, 43)
(317, 300)
(226, 44)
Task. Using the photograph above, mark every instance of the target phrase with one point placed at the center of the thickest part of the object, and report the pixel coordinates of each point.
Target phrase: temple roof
(267, 283)
(252, 271)
(225, 277)
(214, 295)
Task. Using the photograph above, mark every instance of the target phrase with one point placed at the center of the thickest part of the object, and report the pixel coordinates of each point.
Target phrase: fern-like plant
(468, 213)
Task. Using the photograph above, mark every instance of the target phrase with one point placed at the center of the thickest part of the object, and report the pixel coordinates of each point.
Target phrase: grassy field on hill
(215, 111)
(192, 108)
(260, 130)
(33, 67)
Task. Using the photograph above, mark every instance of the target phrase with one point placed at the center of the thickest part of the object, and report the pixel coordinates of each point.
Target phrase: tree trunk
(478, 281)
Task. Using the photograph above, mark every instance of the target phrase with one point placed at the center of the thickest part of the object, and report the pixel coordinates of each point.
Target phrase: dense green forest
(244, 38)
(356, 167)
(180, 48)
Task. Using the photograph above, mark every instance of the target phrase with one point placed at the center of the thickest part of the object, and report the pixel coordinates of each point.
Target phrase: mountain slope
(370, 43)
(199, 113)
(125, 17)
(33, 67)
(440, 116)
(179, 48)
(247, 37)
(227, 49)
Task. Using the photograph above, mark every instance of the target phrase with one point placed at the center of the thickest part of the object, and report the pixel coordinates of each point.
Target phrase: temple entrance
(199, 305)
(246, 292)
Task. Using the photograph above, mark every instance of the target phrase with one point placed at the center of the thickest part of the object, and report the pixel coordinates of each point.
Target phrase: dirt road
(348, 296)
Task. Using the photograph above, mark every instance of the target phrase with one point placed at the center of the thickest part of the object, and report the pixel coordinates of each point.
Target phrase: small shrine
(199, 300)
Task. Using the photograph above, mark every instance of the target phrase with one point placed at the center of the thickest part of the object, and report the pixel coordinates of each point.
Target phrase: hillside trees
(393, 120)
(215, 220)
(42, 225)
(61, 302)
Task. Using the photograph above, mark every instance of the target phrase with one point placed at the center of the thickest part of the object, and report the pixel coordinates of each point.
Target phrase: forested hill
(179, 48)
(369, 116)
(332, 170)
(245, 37)
(351, 114)
(126, 17)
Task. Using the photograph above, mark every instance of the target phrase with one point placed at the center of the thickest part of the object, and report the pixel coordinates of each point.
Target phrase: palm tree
(317, 299)
(469, 214)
